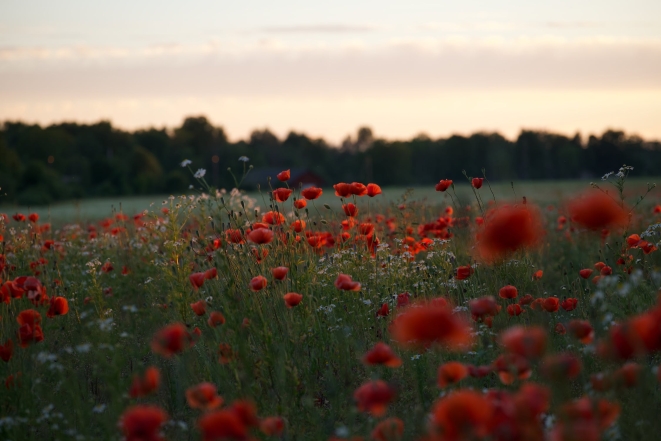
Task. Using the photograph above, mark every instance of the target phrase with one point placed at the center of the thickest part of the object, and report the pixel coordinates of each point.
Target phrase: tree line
(39, 165)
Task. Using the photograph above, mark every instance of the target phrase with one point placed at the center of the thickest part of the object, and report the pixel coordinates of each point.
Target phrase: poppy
(234, 235)
(595, 210)
(58, 306)
(7, 350)
(560, 329)
(508, 292)
(280, 272)
(107, 267)
(223, 424)
(551, 304)
(344, 283)
(216, 318)
(514, 310)
(443, 184)
(225, 352)
(483, 307)
(273, 218)
(373, 397)
(628, 374)
(18, 217)
(529, 342)
(537, 275)
(29, 330)
(451, 373)
(463, 272)
(197, 280)
(526, 300)
(246, 412)
(390, 429)
(350, 209)
(272, 426)
(403, 299)
(600, 382)
(383, 311)
(284, 175)
(298, 225)
(563, 366)
(508, 229)
(582, 330)
(585, 273)
(311, 193)
(358, 189)
(426, 323)
(203, 396)
(462, 414)
(342, 189)
(258, 283)
(300, 204)
(149, 383)
(292, 299)
(477, 183)
(33, 217)
(199, 307)
(260, 236)
(211, 273)
(647, 247)
(282, 194)
(171, 340)
(143, 423)
(479, 371)
(633, 240)
(373, 190)
(512, 366)
(382, 354)
(569, 304)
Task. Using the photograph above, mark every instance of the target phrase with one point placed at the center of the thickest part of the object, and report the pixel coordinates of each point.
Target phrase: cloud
(317, 29)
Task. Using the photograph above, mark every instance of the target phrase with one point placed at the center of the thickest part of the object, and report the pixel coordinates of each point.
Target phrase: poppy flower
(18, 217)
(280, 272)
(463, 272)
(508, 292)
(462, 414)
(273, 218)
(373, 397)
(344, 283)
(633, 240)
(595, 210)
(342, 189)
(171, 340)
(569, 304)
(29, 330)
(403, 299)
(508, 229)
(311, 193)
(483, 307)
(443, 184)
(107, 267)
(7, 350)
(211, 273)
(512, 366)
(582, 330)
(606, 271)
(551, 304)
(33, 217)
(383, 311)
(477, 183)
(223, 424)
(585, 273)
(203, 396)
(199, 307)
(514, 310)
(272, 426)
(628, 374)
(292, 299)
(537, 275)
(225, 352)
(526, 300)
(197, 280)
(234, 235)
(216, 318)
(528, 342)
(143, 423)
(426, 323)
(350, 209)
(390, 429)
(647, 247)
(282, 194)
(149, 383)
(382, 354)
(58, 306)
(258, 283)
(559, 367)
(451, 373)
(358, 189)
(300, 204)
(298, 225)
(373, 190)
(260, 236)
(560, 329)
(284, 175)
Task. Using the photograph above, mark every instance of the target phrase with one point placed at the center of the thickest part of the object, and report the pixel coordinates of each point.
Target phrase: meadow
(457, 312)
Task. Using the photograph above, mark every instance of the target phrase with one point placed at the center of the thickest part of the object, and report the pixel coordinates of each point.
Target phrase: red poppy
(292, 299)
(33, 217)
(260, 236)
(234, 235)
(373, 190)
(508, 292)
(582, 330)
(29, 330)
(358, 189)
(258, 283)
(7, 350)
(300, 204)
(512, 366)
(390, 429)
(628, 374)
(171, 340)
(383, 311)
(560, 367)
(560, 329)
(345, 283)
(272, 426)
(462, 414)
(311, 193)
(143, 423)
(284, 175)
(427, 322)
(537, 275)
(146, 385)
(18, 217)
(211, 273)
(595, 210)
(463, 272)
(528, 342)
(203, 396)
(443, 184)
(514, 310)
(403, 299)
(585, 273)
(282, 194)
(350, 209)
(216, 318)
(298, 225)
(197, 280)
(477, 183)
(479, 371)
(633, 240)
(342, 189)
(551, 304)
(382, 354)
(526, 300)
(280, 272)
(273, 218)
(508, 229)
(483, 307)
(225, 352)
(107, 267)
(58, 306)
(373, 397)
(569, 304)
(222, 425)
(451, 373)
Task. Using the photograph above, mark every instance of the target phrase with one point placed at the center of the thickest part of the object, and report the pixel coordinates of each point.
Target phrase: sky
(328, 68)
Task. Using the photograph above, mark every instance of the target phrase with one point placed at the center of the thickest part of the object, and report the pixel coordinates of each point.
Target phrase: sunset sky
(327, 68)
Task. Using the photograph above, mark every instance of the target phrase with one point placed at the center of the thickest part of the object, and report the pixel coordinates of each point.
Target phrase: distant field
(541, 192)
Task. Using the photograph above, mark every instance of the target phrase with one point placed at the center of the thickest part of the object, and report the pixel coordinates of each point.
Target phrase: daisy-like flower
(200, 173)
(186, 162)
(244, 159)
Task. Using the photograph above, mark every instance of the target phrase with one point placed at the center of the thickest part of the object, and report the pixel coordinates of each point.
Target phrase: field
(461, 314)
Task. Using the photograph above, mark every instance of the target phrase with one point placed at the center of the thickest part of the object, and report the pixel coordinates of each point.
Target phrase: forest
(43, 164)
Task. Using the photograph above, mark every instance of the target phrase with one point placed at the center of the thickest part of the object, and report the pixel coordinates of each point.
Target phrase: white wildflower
(200, 173)
(244, 159)
(186, 162)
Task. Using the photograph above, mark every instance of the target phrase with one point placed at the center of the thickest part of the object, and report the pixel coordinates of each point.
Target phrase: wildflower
(18, 217)
(300, 204)
(342, 189)
(508, 292)
(529, 342)
(292, 299)
(382, 354)
(344, 283)
(462, 414)
(273, 218)
(479, 371)
(403, 299)
(628, 374)
(7, 350)
(29, 329)
(585, 273)
(443, 184)
(197, 280)
(526, 300)
(512, 366)
(582, 330)
(383, 311)
(373, 190)
(244, 159)
(284, 175)
(390, 429)
(203, 396)
(146, 385)
(373, 397)
(186, 163)
(258, 283)
(587, 416)
(551, 304)
(514, 310)
(58, 306)
(211, 273)
(350, 210)
(216, 318)
(199, 174)
(483, 307)
(226, 353)
(298, 225)
(537, 275)
(560, 329)
(223, 424)
(595, 210)
(260, 236)
(477, 183)
(33, 217)
(311, 193)
(508, 229)
(463, 272)
(280, 272)
(171, 340)
(563, 366)
(450, 373)
(142, 423)
(569, 304)
(282, 194)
